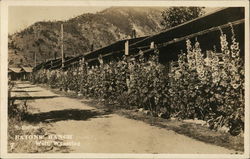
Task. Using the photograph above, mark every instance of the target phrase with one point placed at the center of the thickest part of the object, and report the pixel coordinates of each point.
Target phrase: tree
(174, 16)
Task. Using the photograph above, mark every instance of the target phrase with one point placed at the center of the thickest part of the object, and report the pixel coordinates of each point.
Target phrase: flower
(234, 85)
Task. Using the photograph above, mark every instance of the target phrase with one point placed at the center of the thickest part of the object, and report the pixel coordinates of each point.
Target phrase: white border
(4, 58)
(4, 80)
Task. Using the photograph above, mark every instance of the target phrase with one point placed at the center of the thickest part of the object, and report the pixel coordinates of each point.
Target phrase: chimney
(92, 47)
(133, 33)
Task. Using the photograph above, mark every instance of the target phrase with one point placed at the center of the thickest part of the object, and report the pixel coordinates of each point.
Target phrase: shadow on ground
(24, 87)
(33, 98)
(66, 114)
(24, 91)
(106, 107)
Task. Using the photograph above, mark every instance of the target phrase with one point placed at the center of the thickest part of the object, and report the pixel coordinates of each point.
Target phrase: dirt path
(102, 132)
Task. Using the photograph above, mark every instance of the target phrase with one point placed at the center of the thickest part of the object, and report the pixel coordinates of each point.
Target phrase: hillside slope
(81, 33)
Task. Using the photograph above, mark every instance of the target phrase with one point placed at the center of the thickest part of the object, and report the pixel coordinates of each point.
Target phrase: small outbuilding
(26, 73)
(14, 73)
(19, 73)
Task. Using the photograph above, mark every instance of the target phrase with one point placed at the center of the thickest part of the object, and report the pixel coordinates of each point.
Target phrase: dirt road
(103, 132)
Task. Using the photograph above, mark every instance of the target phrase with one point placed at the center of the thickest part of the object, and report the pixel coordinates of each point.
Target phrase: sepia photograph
(131, 79)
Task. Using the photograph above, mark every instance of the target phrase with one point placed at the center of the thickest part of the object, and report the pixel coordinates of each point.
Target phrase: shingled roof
(15, 69)
(27, 69)
(216, 18)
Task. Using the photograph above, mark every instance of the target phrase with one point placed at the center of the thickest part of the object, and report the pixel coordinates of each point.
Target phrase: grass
(195, 131)
(17, 127)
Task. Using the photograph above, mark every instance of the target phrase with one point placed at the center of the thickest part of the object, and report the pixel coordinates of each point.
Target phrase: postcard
(124, 79)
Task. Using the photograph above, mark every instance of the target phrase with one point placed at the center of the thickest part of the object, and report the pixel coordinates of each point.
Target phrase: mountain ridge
(82, 33)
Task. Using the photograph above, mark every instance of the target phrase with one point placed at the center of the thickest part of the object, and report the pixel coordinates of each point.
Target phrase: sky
(21, 17)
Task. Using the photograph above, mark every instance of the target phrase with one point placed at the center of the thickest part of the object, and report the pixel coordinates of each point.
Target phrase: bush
(15, 111)
(210, 88)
